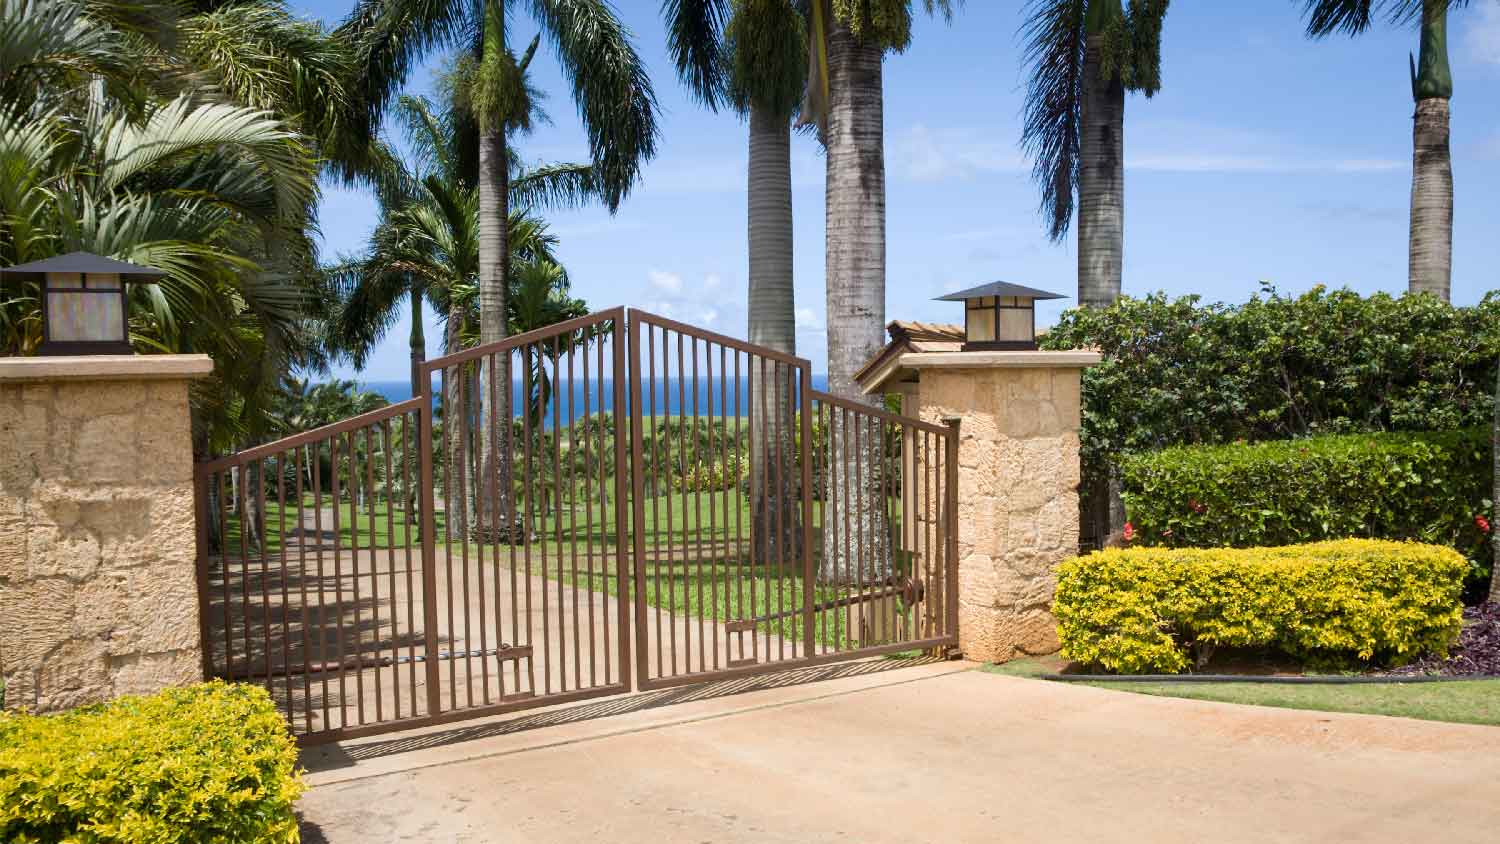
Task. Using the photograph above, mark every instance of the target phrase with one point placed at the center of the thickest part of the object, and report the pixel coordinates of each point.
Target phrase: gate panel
(776, 525)
(887, 562)
(310, 571)
(531, 594)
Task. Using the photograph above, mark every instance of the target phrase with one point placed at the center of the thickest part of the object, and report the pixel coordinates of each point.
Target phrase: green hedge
(212, 762)
(1183, 372)
(1329, 604)
(1423, 487)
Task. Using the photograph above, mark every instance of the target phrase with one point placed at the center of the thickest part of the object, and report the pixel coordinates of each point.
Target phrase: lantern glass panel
(84, 310)
(980, 326)
(1016, 320)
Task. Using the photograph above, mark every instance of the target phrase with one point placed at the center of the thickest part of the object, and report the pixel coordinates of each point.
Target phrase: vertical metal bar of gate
(429, 548)
(638, 500)
(806, 454)
(622, 568)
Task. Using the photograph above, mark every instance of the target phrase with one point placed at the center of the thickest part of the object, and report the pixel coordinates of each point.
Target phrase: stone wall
(97, 589)
(1017, 498)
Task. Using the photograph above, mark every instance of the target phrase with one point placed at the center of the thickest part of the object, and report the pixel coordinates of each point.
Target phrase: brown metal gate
(657, 486)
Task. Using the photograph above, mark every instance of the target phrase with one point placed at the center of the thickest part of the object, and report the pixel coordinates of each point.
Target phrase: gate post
(98, 592)
(1017, 473)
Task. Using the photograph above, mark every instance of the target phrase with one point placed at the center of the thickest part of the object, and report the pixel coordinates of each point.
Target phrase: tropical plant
(847, 42)
(1430, 241)
(1081, 58)
(189, 141)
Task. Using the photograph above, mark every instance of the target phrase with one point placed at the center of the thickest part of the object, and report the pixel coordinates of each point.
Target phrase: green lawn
(395, 534)
(669, 519)
(1460, 701)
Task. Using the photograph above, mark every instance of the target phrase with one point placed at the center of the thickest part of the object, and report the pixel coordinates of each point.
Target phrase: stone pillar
(1017, 487)
(98, 595)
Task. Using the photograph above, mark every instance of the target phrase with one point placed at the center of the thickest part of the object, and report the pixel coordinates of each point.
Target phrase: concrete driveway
(886, 751)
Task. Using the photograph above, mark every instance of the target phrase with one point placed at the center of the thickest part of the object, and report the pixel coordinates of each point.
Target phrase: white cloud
(1235, 163)
(665, 281)
(1482, 32)
(808, 320)
(922, 154)
(701, 302)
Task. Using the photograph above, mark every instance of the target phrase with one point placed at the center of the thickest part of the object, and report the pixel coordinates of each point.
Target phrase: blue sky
(1264, 157)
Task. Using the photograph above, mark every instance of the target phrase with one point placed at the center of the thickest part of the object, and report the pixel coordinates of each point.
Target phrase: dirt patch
(1477, 652)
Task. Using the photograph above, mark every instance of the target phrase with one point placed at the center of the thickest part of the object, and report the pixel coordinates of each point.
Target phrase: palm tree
(845, 99)
(1082, 56)
(1430, 242)
(424, 209)
(756, 62)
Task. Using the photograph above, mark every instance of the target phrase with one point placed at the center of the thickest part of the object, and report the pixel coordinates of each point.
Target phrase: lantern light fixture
(84, 310)
(999, 315)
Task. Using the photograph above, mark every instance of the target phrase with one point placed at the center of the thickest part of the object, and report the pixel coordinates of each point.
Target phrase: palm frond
(1325, 17)
(610, 87)
(553, 186)
(695, 42)
(181, 129)
(392, 36)
(1053, 37)
(369, 298)
(44, 41)
(1353, 17)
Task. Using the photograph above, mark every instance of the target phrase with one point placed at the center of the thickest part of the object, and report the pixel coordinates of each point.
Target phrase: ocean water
(671, 398)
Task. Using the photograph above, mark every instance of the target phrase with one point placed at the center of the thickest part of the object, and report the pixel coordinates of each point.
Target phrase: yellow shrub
(212, 762)
(1339, 603)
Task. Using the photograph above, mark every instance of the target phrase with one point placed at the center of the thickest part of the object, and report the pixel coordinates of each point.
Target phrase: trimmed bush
(1424, 487)
(1328, 604)
(1185, 372)
(212, 762)
(1182, 372)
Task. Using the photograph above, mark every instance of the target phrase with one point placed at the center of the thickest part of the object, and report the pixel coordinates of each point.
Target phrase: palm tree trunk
(1430, 261)
(772, 323)
(1101, 183)
(855, 270)
(418, 342)
(494, 251)
(1101, 227)
(1430, 256)
(453, 432)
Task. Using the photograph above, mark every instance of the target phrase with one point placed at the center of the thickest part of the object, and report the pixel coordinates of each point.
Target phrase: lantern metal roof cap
(83, 262)
(999, 288)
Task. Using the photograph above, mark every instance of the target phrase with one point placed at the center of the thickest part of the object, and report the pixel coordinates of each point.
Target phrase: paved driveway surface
(882, 751)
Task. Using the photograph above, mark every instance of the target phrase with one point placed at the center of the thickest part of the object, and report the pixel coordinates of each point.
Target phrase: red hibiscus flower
(1129, 531)
(1482, 523)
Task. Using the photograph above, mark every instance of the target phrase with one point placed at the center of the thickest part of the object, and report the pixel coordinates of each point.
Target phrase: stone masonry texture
(1017, 499)
(97, 589)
